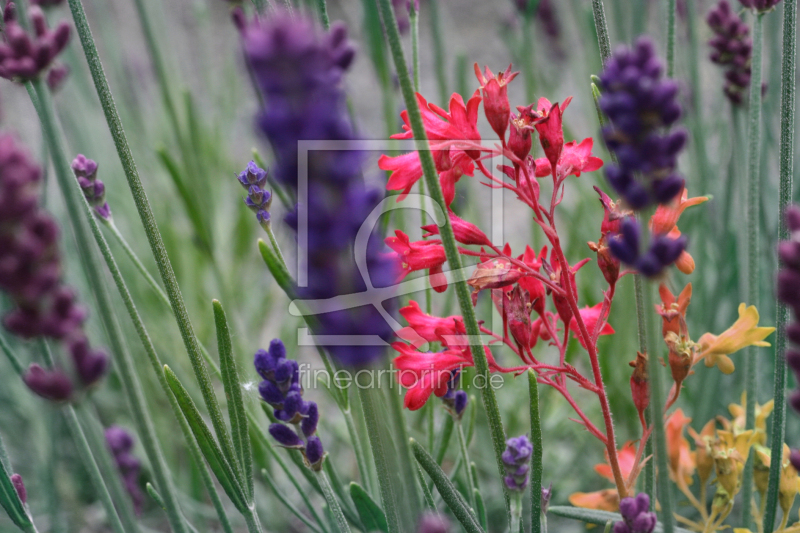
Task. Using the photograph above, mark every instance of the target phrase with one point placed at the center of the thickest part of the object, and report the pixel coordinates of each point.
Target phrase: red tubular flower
(495, 98)
(534, 286)
(640, 386)
(549, 126)
(465, 232)
(444, 131)
(423, 327)
(423, 373)
(612, 214)
(590, 316)
(420, 255)
(575, 158)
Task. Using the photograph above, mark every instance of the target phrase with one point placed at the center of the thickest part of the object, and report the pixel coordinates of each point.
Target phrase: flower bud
(640, 385)
(19, 486)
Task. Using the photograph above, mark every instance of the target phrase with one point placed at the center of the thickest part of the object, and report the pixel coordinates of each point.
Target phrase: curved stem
(137, 262)
(753, 232)
(786, 168)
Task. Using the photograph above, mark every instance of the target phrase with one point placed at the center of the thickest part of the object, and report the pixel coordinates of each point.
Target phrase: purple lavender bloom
(663, 250)
(30, 274)
(516, 460)
(641, 106)
(49, 384)
(454, 400)
(94, 190)
(259, 200)
(120, 442)
(760, 5)
(299, 72)
(731, 48)
(57, 76)
(24, 57)
(19, 486)
(282, 391)
(789, 293)
(636, 515)
(433, 523)
(47, 3)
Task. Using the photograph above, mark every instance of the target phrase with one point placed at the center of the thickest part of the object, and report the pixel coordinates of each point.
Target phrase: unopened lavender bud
(547, 493)
(19, 486)
(285, 436)
(460, 402)
(515, 460)
(636, 517)
(309, 423)
(314, 453)
(49, 384)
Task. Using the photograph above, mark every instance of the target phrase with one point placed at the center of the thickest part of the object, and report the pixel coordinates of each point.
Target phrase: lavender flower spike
(30, 274)
(640, 106)
(24, 57)
(259, 200)
(121, 444)
(732, 48)
(94, 190)
(663, 250)
(516, 460)
(282, 391)
(760, 5)
(299, 71)
(636, 515)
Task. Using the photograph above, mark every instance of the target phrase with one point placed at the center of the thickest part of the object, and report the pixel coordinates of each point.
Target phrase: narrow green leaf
(276, 268)
(233, 392)
(193, 210)
(449, 493)
(480, 509)
(151, 490)
(601, 518)
(370, 512)
(211, 451)
(338, 488)
(426, 492)
(10, 501)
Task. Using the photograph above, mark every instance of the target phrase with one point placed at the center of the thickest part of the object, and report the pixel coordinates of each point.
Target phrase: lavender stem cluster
(732, 48)
(636, 515)
(642, 107)
(31, 276)
(120, 442)
(94, 190)
(298, 70)
(281, 389)
(516, 459)
(24, 57)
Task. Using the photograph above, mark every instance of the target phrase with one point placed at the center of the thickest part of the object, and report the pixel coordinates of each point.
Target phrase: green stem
(448, 240)
(438, 49)
(462, 442)
(76, 204)
(657, 414)
(137, 262)
(150, 225)
(601, 27)
(536, 459)
(333, 503)
(753, 233)
(788, 68)
(385, 483)
(671, 8)
(279, 493)
(95, 475)
(516, 513)
(12, 358)
(322, 7)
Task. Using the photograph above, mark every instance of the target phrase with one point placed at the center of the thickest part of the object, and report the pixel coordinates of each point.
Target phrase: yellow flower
(730, 454)
(739, 411)
(744, 332)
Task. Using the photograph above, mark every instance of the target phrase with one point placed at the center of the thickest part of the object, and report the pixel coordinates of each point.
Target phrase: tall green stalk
(657, 413)
(788, 67)
(601, 27)
(80, 212)
(537, 517)
(753, 224)
(671, 23)
(438, 49)
(448, 239)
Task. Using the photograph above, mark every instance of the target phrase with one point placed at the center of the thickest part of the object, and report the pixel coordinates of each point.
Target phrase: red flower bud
(465, 232)
(495, 98)
(640, 385)
(519, 139)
